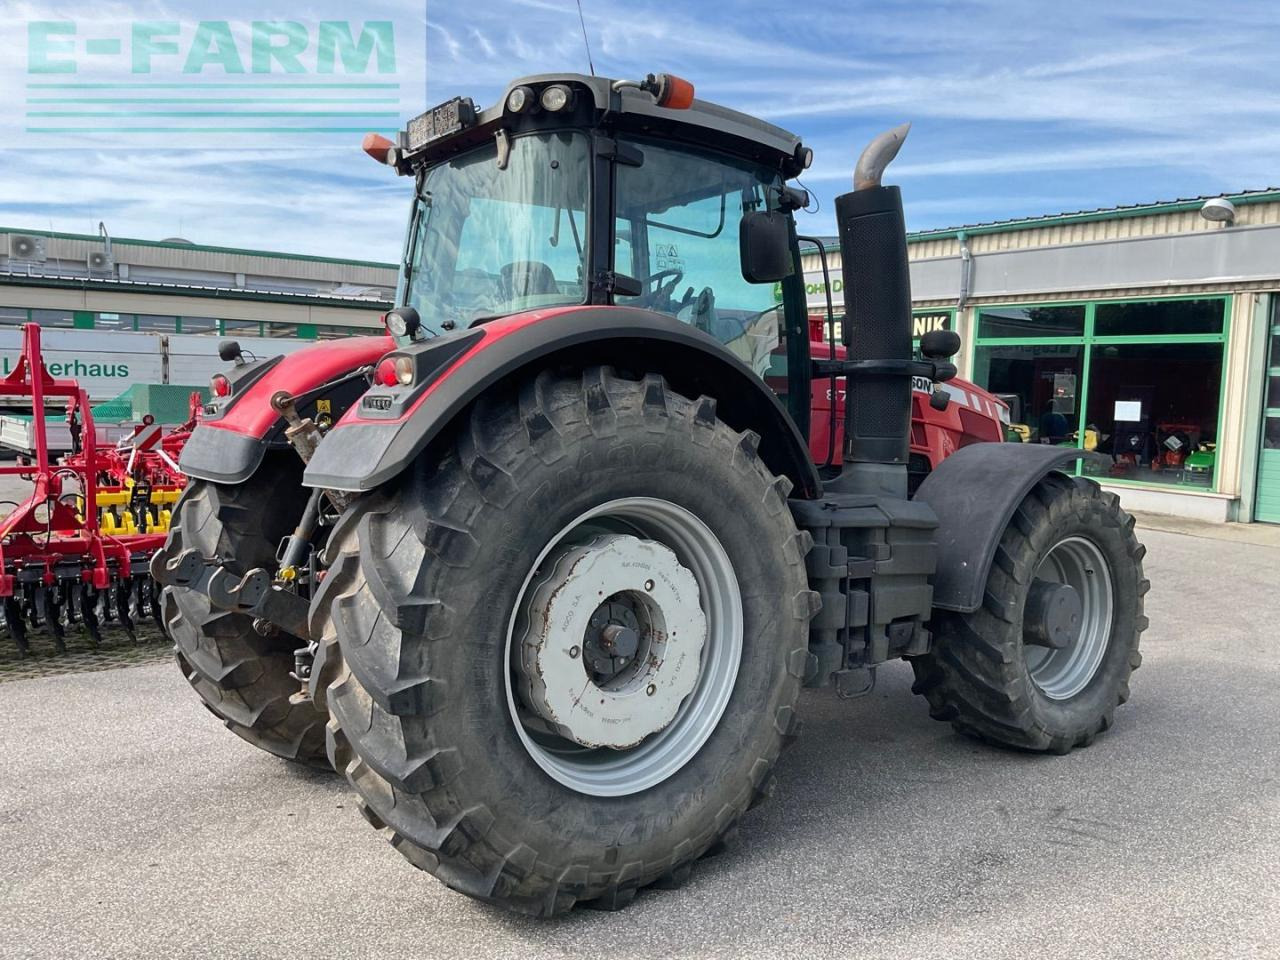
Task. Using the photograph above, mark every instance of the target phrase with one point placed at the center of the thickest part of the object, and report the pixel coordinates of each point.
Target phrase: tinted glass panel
(113, 321)
(156, 324)
(53, 318)
(199, 325)
(1273, 392)
(280, 329)
(338, 333)
(1031, 321)
(1271, 434)
(1040, 384)
(246, 328)
(1154, 318)
(1154, 407)
(12, 316)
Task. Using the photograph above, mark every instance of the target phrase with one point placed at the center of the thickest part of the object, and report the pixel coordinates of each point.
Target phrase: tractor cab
(582, 190)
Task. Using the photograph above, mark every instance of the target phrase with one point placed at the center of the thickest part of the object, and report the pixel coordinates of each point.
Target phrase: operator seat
(527, 278)
(704, 315)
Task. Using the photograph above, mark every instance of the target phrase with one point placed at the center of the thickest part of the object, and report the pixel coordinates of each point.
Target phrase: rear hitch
(256, 595)
(188, 569)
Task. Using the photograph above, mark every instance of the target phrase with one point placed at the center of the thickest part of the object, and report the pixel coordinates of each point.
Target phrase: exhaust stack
(877, 326)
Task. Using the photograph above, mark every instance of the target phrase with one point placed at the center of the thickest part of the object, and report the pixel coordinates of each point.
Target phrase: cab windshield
(485, 241)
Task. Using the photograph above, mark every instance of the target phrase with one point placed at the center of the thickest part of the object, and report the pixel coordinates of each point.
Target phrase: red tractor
(559, 560)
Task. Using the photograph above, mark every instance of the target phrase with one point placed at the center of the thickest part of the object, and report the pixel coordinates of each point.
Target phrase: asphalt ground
(133, 825)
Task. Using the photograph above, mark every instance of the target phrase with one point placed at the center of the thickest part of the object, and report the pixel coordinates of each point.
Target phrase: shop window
(154, 323)
(1271, 434)
(199, 325)
(1153, 407)
(113, 321)
(53, 318)
(1041, 384)
(1158, 318)
(13, 316)
(1273, 388)
(1031, 322)
(245, 328)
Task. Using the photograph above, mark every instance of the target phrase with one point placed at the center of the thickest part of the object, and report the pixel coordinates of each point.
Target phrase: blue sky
(1018, 109)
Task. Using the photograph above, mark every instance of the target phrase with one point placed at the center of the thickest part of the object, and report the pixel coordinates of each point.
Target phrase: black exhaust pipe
(877, 327)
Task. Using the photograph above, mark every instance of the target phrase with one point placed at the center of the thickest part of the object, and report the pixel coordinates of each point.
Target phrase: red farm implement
(76, 549)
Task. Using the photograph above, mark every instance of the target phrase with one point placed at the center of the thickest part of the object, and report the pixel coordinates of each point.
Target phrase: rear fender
(974, 493)
(235, 431)
(382, 435)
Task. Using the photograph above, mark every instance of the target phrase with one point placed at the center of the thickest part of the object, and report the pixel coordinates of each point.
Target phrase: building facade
(1149, 335)
(175, 287)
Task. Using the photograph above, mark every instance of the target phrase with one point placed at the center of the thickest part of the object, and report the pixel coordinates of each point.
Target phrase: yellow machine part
(114, 516)
(1022, 430)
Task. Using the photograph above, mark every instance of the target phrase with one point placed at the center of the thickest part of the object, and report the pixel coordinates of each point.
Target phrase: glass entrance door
(1267, 507)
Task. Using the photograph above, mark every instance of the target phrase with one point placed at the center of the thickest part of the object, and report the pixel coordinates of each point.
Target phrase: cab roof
(599, 103)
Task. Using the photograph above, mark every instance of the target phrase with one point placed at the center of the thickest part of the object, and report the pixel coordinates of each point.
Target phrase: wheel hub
(1052, 615)
(1066, 626)
(613, 641)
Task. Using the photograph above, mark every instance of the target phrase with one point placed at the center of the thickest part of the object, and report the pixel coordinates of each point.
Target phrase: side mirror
(764, 241)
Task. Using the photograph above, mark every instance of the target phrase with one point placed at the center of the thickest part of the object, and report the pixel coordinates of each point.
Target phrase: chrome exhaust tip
(879, 153)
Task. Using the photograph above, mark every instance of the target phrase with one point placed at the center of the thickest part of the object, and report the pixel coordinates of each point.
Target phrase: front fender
(975, 492)
(229, 442)
(381, 436)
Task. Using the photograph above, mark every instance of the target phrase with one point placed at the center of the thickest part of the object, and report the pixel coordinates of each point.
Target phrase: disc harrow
(63, 565)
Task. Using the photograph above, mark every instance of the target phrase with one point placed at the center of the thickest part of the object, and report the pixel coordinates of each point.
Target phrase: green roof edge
(1062, 219)
(207, 293)
(241, 251)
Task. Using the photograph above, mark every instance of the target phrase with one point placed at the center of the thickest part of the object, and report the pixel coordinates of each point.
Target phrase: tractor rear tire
(242, 677)
(989, 683)
(416, 616)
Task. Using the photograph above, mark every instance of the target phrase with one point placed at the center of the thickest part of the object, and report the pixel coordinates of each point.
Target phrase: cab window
(677, 233)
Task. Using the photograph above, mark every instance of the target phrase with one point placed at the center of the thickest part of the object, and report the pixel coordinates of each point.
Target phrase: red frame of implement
(44, 532)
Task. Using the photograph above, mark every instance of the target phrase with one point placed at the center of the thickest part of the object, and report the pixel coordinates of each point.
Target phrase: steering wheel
(663, 283)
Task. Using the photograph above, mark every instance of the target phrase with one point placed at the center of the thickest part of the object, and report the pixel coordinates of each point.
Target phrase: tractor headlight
(403, 322)
(520, 99)
(557, 97)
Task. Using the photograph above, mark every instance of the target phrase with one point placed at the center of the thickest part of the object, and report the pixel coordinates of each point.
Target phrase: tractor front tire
(242, 677)
(419, 622)
(989, 682)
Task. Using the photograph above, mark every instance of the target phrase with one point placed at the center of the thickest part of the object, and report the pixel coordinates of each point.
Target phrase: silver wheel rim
(614, 773)
(1063, 673)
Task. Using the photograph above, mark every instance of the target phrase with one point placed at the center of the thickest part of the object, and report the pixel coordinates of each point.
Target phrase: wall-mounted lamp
(1219, 210)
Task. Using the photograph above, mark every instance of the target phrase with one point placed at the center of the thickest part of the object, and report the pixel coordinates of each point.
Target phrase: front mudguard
(974, 493)
(378, 439)
(326, 379)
